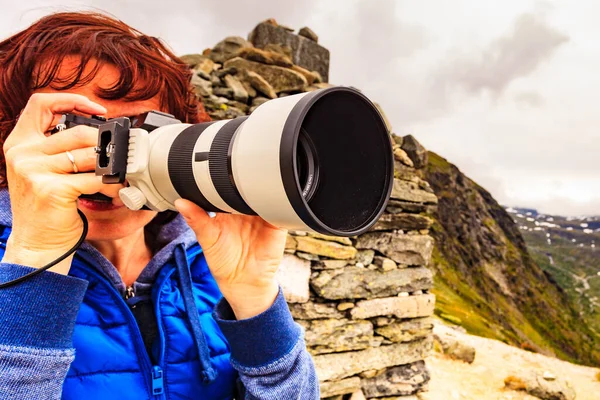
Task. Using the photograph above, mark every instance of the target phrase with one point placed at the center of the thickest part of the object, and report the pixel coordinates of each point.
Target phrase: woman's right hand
(42, 186)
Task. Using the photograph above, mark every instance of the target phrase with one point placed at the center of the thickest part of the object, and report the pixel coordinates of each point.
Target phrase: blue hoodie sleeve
(269, 352)
(37, 319)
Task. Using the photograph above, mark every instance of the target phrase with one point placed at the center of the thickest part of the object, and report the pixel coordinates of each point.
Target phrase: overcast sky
(508, 90)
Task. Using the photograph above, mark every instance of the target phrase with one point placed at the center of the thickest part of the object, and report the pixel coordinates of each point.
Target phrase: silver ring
(72, 159)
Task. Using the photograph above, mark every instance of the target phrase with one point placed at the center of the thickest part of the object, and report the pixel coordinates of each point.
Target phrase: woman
(153, 305)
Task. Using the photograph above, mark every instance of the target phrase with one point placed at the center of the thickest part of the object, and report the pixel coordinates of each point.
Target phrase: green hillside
(487, 280)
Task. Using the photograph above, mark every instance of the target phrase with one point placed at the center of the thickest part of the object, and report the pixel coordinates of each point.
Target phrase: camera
(319, 161)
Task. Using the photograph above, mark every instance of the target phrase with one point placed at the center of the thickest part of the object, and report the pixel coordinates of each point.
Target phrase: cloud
(530, 43)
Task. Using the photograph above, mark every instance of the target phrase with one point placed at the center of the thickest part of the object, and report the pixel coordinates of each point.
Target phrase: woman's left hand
(243, 253)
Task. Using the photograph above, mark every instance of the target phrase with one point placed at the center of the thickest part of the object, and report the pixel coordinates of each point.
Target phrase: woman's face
(106, 221)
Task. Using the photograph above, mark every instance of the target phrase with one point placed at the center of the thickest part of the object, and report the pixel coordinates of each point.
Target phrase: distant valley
(569, 249)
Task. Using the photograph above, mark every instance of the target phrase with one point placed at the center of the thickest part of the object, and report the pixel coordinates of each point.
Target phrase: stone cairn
(364, 301)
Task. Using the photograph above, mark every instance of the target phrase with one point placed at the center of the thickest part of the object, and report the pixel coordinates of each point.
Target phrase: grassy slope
(487, 279)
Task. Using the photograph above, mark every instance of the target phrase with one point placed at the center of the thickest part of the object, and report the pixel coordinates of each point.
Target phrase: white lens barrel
(319, 161)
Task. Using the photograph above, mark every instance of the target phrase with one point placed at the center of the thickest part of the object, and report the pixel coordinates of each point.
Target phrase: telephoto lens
(319, 161)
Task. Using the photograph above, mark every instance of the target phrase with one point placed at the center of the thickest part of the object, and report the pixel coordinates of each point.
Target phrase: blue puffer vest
(192, 354)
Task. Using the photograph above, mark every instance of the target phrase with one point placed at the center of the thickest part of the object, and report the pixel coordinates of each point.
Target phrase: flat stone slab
(306, 53)
(325, 248)
(315, 310)
(362, 283)
(341, 365)
(344, 386)
(337, 335)
(410, 191)
(403, 249)
(401, 307)
(407, 330)
(402, 380)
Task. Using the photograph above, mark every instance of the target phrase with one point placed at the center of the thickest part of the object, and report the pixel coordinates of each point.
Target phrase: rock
(549, 376)
(226, 113)
(193, 59)
(227, 71)
(345, 306)
(293, 275)
(344, 386)
(358, 396)
(305, 52)
(341, 365)
(239, 93)
(260, 84)
(402, 221)
(325, 248)
(308, 256)
(534, 384)
(318, 77)
(265, 57)
(241, 106)
(215, 80)
(311, 77)
(401, 156)
(365, 257)
(206, 66)
(252, 93)
(400, 307)
(398, 206)
(290, 242)
(257, 101)
(201, 86)
(397, 381)
(224, 92)
(279, 78)
(337, 335)
(285, 50)
(339, 239)
(407, 330)
(228, 48)
(308, 33)
(199, 63)
(384, 263)
(357, 283)
(382, 321)
(329, 264)
(410, 191)
(315, 310)
(455, 348)
(398, 140)
(416, 152)
(403, 249)
(425, 186)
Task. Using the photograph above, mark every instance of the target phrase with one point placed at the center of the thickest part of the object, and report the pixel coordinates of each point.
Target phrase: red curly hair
(147, 67)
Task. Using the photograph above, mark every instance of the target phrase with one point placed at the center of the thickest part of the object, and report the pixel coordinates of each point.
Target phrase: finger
(38, 114)
(77, 137)
(84, 160)
(88, 183)
(206, 229)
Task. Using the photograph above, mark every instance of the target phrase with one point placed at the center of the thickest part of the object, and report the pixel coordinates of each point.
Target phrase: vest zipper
(153, 371)
(157, 381)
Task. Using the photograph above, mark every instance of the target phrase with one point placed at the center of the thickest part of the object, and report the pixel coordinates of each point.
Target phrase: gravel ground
(494, 361)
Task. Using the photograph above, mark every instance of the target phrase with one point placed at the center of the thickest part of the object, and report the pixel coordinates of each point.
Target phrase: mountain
(488, 281)
(569, 249)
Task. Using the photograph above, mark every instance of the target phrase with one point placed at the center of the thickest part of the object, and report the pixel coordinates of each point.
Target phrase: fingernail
(212, 214)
